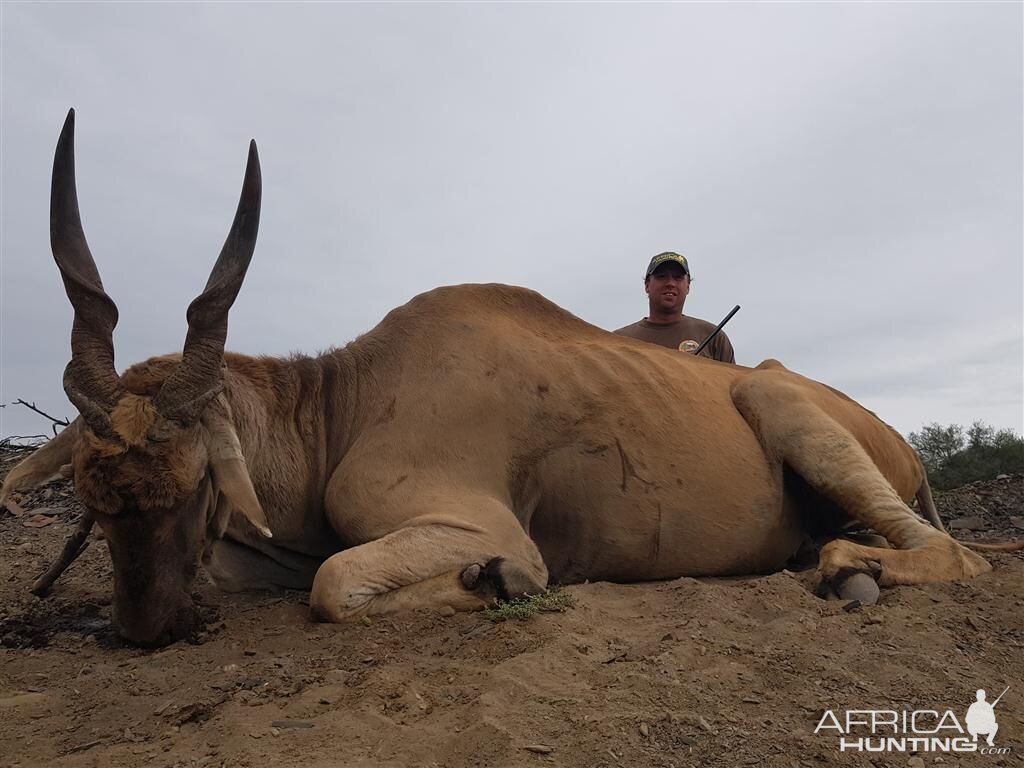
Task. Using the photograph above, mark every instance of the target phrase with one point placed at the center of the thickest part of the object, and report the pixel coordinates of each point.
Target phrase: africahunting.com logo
(919, 730)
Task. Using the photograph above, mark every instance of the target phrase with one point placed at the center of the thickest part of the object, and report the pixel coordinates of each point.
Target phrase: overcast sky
(851, 174)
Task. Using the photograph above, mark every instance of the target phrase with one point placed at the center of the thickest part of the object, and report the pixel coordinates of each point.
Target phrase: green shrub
(553, 600)
(954, 456)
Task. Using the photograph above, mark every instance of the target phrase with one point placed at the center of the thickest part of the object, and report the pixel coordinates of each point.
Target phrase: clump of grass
(553, 600)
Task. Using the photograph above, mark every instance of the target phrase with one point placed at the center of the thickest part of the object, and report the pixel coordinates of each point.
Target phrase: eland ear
(227, 464)
(43, 464)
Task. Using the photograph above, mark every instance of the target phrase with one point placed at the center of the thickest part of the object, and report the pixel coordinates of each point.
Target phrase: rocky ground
(681, 673)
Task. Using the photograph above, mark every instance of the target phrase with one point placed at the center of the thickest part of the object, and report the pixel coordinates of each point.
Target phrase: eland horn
(90, 380)
(197, 379)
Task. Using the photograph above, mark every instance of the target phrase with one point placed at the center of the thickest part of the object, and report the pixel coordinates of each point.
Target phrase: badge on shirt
(688, 346)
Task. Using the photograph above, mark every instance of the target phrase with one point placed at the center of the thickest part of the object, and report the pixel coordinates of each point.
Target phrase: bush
(954, 456)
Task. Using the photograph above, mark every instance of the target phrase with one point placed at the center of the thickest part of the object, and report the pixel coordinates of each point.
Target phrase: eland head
(155, 457)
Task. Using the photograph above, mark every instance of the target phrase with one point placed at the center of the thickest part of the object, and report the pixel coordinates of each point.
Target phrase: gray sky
(851, 174)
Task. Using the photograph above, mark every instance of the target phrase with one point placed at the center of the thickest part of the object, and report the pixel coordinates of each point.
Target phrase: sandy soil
(681, 673)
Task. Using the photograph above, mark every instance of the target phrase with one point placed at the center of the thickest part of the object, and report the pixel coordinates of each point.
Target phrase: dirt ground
(681, 673)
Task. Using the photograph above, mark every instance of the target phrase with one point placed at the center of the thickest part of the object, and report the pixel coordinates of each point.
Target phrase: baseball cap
(661, 258)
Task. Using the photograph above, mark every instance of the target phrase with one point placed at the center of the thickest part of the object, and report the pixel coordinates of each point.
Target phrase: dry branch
(32, 407)
(74, 545)
(8, 442)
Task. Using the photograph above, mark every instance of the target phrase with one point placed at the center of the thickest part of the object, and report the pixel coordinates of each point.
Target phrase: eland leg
(797, 431)
(438, 561)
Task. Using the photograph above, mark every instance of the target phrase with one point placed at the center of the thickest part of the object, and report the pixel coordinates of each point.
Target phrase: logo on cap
(661, 258)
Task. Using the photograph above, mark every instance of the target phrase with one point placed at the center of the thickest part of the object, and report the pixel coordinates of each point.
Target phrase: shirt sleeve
(723, 349)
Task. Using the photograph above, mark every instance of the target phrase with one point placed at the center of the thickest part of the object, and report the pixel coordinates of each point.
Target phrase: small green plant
(553, 600)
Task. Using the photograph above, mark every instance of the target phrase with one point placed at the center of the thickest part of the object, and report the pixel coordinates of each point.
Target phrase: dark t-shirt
(685, 335)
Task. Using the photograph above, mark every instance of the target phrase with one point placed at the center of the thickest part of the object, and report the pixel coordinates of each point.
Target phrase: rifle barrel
(717, 329)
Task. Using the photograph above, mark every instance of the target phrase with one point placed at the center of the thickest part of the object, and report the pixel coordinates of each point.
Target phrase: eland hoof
(471, 576)
(858, 586)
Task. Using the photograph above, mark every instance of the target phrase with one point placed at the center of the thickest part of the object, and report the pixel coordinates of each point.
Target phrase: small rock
(162, 708)
(998, 477)
(446, 610)
(1017, 522)
(14, 508)
(645, 730)
(972, 523)
(540, 749)
(915, 762)
(38, 521)
(22, 701)
(286, 725)
(275, 731)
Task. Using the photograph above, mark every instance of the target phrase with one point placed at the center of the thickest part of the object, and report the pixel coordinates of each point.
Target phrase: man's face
(667, 288)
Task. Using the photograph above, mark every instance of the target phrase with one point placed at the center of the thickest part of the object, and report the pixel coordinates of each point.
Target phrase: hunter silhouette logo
(981, 717)
(919, 730)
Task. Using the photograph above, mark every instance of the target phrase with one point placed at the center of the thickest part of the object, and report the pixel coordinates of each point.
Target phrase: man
(667, 284)
(981, 718)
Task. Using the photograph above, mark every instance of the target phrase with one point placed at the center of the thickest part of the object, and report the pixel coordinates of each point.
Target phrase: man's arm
(722, 349)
